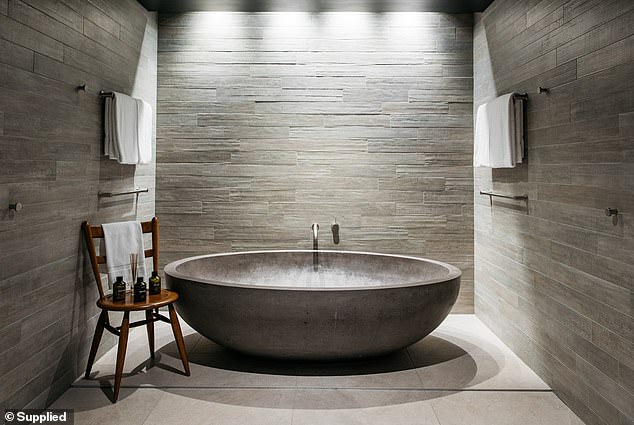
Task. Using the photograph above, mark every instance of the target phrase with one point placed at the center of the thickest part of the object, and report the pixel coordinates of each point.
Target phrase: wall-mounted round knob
(17, 207)
(614, 213)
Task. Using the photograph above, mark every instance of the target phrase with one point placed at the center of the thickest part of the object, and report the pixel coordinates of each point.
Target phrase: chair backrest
(96, 232)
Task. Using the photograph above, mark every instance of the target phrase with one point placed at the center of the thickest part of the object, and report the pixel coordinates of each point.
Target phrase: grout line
(435, 413)
(293, 405)
(211, 387)
(409, 355)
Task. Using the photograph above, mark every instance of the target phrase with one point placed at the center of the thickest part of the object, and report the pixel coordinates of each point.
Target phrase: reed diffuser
(134, 258)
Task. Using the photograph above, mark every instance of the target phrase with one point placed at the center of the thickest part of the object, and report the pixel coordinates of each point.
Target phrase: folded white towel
(519, 130)
(499, 133)
(121, 240)
(481, 138)
(127, 129)
(106, 126)
(144, 130)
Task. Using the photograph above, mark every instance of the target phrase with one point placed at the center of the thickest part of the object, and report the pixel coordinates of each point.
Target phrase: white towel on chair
(121, 240)
(499, 133)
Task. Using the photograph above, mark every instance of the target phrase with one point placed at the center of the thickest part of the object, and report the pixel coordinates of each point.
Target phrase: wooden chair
(150, 306)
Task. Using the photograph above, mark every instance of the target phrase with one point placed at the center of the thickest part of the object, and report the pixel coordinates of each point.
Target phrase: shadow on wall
(81, 321)
(115, 177)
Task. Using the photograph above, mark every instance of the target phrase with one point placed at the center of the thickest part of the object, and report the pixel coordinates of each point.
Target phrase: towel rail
(105, 93)
(492, 194)
(130, 192)
(523, 96)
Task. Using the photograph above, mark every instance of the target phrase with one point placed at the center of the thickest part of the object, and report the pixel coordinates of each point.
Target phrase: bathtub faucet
(315, 229)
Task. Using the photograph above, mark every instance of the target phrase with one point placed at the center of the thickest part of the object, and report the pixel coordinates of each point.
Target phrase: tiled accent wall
(555, 279)
(51, 162)
(268, 122)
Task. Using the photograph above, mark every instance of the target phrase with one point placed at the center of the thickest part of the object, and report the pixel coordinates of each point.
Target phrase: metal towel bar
(492, 194)
(130, 192)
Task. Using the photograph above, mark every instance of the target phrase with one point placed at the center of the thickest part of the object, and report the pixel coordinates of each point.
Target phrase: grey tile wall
(51, 162)
(555, 279)
(268, 122)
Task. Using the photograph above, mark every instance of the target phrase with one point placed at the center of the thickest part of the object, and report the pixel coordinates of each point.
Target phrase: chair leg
(150, 331)
(178, 336)
(123, 343)
(95, 341)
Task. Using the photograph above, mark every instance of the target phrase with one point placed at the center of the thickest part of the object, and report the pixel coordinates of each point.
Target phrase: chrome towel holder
(492, 194)
(129, 192)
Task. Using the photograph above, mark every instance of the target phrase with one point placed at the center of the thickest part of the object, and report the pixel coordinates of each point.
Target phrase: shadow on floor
(437, 366)
(436, 350)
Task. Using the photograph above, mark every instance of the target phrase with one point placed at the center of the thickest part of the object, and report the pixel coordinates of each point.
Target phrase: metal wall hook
(541, 90)
(82, 87)
(17, 207)
(614, 213)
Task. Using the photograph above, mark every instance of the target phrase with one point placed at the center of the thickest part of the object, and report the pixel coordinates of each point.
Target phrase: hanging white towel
(128, 129)
(144, 130)
(519, 130)
(499, 133)
(481, 138)
(106, 126)
(121, 240)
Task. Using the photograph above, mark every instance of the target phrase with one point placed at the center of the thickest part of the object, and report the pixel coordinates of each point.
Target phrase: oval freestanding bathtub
(289, 304)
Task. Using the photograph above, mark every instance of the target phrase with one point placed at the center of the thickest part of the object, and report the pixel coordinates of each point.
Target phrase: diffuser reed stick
(133, 266)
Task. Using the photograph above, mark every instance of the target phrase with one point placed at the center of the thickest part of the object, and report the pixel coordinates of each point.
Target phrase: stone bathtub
(295, 305)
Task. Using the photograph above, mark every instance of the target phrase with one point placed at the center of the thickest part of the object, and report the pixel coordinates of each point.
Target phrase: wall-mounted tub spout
(315, 229)
(315, 234)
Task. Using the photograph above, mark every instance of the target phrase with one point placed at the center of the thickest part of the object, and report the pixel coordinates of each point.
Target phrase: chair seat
(152, 301)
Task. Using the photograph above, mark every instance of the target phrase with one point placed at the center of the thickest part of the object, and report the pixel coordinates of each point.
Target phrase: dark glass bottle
(155, 284)
(118, 289)
(140, 290)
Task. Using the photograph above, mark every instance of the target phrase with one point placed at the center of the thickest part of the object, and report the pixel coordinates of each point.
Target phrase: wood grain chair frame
(150, 306)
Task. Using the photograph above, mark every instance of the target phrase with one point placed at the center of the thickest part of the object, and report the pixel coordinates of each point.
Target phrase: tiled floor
(461, 374)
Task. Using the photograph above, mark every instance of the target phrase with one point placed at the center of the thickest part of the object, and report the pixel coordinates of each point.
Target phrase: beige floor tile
(349, 407)
(503, 408)
(230, 388)
(223, 407)
(463, 354)
(94, 406)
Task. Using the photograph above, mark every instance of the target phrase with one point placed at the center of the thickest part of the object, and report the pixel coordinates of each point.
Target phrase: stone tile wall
(268, 122)
(50, 161)
(554, 279)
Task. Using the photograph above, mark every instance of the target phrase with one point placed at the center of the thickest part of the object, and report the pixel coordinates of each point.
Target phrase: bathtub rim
(171, 271)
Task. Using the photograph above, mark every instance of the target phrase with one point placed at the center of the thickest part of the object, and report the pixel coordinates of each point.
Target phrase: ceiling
(447, 6)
